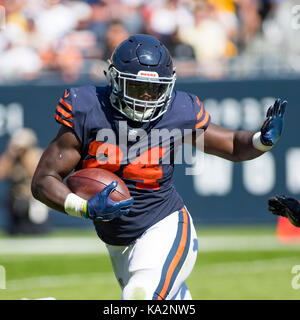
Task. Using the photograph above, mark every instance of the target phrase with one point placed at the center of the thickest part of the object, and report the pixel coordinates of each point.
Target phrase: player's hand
(286, 207)
(102, 207)
(272, 126)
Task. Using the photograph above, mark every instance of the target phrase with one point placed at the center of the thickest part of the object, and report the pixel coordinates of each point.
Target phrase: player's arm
(245, 145)
(57, 161)
(229, 144)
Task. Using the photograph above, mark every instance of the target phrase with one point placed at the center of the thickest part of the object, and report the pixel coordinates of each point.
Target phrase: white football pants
(156, 265)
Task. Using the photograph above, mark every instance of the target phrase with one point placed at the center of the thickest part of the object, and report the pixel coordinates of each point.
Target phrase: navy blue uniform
(87, 110)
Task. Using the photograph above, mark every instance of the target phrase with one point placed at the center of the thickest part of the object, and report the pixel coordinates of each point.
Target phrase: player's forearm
(50, 190)
(230, 144)
(243, 148)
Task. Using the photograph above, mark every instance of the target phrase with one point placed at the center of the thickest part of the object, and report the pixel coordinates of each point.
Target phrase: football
(88, 182)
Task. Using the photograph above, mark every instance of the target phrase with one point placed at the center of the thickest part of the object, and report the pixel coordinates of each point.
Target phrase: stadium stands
(66, 40)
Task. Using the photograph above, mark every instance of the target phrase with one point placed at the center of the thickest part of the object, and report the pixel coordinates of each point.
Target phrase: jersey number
(144, 168)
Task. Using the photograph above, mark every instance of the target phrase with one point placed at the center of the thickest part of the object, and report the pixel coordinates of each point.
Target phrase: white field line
(63, 245)
(217, 269)
(63, 280)
(240, 243)
(86, 245)
(250, 267)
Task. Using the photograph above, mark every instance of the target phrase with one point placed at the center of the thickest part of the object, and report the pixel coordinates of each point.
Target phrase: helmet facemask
(142, 97)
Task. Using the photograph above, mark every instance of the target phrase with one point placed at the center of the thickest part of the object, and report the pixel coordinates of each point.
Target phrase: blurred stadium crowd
(66, 40)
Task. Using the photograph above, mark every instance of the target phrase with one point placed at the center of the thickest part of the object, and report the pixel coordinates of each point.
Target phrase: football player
(151, 238)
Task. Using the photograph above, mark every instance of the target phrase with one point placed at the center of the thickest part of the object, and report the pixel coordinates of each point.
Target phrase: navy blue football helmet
(142, 78)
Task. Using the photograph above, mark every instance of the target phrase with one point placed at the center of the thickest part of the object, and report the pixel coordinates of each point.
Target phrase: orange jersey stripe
(177, 256)
(66, 104)
(199, 115)
(203, 122)
(153, 186)
(64, 112)
(66, 123)
(66, 94)
(93, 147)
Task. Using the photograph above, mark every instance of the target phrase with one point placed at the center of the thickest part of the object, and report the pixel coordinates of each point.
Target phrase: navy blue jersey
(88, 111)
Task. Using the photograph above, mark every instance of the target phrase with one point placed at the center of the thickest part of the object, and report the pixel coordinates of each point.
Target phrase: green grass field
(233, 263)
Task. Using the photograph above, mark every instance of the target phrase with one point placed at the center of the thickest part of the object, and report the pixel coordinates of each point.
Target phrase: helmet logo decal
(148, 74)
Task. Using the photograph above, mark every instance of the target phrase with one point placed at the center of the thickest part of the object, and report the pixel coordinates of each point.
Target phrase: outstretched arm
(228, 144)
(245, 145)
